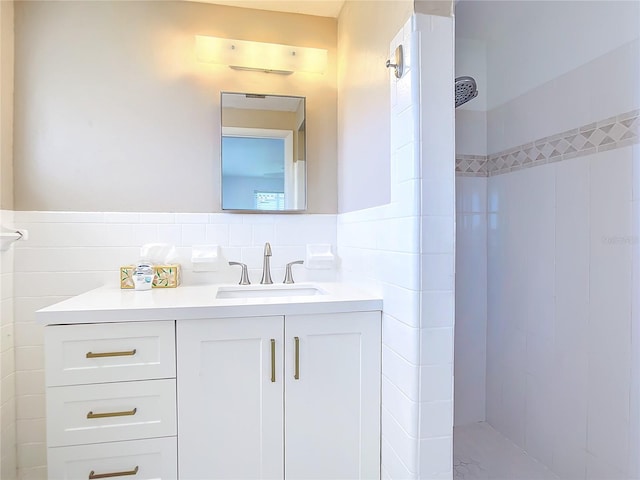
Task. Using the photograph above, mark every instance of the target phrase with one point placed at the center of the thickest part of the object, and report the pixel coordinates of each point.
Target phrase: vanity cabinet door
(332, 401)
(230, 398)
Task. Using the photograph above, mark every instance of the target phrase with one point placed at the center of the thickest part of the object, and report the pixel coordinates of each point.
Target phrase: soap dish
(320, 257)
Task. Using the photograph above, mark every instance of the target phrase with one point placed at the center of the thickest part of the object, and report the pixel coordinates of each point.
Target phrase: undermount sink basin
(264, 291)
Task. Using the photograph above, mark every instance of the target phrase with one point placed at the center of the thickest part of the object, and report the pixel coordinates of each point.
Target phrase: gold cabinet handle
(273, 360)
(128, 353)
(296, 373)
(93, 475)
(112, 414)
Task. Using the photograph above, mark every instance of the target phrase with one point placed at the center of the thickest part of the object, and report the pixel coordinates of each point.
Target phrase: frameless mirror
(263, 153)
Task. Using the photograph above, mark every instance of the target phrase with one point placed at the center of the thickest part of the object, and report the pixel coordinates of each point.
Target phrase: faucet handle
(244, 277)
(288, 277)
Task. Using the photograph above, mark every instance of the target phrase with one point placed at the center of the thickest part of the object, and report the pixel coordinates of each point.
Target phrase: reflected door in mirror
(263, 153)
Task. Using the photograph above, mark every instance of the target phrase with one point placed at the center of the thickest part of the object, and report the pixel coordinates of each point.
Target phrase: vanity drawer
(109, 352)
(155, 458)
(110, 412)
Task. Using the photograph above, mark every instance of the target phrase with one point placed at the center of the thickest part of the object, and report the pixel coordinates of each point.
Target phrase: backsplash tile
(607, 134)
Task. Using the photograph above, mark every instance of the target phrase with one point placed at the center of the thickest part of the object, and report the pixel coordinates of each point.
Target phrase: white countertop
(112, 304)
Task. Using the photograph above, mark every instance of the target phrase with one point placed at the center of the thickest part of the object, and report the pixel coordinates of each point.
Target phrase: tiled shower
(547, 231)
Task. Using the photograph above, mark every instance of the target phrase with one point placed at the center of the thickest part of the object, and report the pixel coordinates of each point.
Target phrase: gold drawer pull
(296, 373)
(112, 414)
(128, 353)
(93, 475)
(273, 360)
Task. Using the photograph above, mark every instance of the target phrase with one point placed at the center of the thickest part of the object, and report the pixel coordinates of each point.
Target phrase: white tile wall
(437, 218)
(8, 462)
(634, 416)
(68, 253)
(559, 348)
(613, 76)
(405, 251)
(471, 300)
(471, 131)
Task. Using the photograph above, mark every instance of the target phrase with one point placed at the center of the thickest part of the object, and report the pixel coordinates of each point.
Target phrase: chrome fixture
(266, 272)
(244, 276)
(398, 67)
(466, 89)
(288, 277)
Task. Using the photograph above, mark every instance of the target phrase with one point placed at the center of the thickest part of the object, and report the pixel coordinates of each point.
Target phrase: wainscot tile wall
(7, 360)
(68, 253)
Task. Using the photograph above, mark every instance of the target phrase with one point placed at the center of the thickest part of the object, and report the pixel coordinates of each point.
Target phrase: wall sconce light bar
(257, 56)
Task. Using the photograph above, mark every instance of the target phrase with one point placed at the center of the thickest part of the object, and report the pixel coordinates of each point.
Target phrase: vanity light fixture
(262, 57)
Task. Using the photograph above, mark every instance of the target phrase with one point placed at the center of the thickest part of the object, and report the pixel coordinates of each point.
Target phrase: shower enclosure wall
(559, 163)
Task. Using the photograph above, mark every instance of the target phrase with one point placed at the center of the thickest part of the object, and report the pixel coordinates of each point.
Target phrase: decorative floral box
(166, 276)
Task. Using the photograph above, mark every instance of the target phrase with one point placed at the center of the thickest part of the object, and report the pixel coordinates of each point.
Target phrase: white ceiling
(319, 8)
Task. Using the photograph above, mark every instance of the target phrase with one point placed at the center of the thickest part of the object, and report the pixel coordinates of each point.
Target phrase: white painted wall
(364, 31)
(6, 103)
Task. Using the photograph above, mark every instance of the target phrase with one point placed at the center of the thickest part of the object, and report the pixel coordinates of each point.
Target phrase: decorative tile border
(614, 132)
(471, 165)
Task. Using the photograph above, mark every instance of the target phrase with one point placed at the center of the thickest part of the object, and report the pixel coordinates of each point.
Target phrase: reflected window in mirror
(263, 153)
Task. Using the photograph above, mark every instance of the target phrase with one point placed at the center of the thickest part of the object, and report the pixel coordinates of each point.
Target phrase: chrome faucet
(244, 277)
(288, 277)
(266, 271)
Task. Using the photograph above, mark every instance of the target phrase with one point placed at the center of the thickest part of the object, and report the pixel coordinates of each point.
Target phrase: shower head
(466, 89)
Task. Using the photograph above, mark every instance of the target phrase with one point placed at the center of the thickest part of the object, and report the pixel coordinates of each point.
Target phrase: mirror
(263, 153)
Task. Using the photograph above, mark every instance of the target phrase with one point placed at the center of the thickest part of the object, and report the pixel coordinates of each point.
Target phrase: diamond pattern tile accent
(607, 134)
(471, 165)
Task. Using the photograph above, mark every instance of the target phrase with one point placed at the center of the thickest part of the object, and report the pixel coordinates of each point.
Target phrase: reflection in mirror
(263, 152)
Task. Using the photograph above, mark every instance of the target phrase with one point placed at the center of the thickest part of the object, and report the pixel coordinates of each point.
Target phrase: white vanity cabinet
(111, 401)
(294, 397)
(183, 383)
